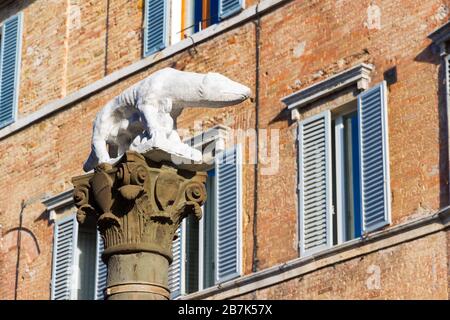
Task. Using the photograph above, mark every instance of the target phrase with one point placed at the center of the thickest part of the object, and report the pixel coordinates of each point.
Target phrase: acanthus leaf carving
(138, 205)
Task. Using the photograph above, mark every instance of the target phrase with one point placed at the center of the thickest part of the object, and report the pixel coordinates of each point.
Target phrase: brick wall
(412, 270)
(302, 42)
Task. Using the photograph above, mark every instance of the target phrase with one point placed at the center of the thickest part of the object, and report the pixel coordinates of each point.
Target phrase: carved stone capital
(138, 204)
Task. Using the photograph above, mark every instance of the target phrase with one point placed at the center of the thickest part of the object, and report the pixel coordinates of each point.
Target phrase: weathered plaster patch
(131, 34)
(299, 49)
(373, 17)
(341, 63)
(318, 74)
(37, 55)
(74, 17)
(433, 171)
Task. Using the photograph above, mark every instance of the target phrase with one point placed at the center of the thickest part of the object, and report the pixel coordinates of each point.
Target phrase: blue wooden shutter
(198, 15)
(228, 201)
(315, 184)
(375, 190)
(214, 11)
(447, 76)
(101, 271)
(175, 268)
(229, 7)
(9, 69)
(155, 35)
(447, 80)
(64, 245)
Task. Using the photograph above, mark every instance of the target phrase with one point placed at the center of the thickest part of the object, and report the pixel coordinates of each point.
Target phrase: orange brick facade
(68, 45)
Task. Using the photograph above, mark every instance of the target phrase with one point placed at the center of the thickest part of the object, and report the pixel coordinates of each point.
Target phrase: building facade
(349, 118)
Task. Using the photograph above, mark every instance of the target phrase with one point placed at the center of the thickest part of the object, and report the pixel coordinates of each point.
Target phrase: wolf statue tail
(91, 162)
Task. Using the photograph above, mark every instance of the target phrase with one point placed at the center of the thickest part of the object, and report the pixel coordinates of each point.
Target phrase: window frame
(64, 201)
(201, 255)
(347, 81)
(339, 208)
(79, 270)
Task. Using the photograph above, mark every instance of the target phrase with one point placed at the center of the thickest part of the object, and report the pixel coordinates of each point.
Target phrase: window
(447, 79)
(346, 176)
(199, 244)
(10, 48)
(344, 172)
(191, 16)
(168, 22)
(86, 255)
(208, 252)
(155, 26)
(78, 273)
(441, 40)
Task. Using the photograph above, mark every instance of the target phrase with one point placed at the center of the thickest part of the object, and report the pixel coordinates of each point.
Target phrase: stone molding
(419, 228)
(441, 37)
(61, 200)
(358, 76)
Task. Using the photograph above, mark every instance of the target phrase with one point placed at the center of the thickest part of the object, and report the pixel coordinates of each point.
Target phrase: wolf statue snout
(220, 90)
(144, 116)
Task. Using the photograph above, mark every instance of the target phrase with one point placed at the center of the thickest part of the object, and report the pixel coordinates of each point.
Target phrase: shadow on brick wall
(431, 55)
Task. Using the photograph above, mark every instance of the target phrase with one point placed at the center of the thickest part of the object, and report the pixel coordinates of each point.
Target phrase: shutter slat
(228, 215)
(229, 207)
(315, 183)
(9, 68)
(155, 28)
(174, 279)
(375, 192)
(65, 234)
(312, 207)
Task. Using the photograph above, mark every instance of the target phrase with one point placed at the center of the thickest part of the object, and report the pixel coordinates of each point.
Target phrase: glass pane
(188, 16)
(86, 247)
(352, 177)
(209, 214)
(191, 275)
(333, 166)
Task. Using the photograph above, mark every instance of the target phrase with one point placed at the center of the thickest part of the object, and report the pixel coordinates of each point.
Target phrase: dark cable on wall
(19, 242)
(106, 37)
(255, 260)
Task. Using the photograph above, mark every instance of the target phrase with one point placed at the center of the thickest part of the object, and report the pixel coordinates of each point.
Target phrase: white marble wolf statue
(146, 113)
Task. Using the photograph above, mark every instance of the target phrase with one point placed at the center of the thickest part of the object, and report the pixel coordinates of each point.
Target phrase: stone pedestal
(138, 205)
